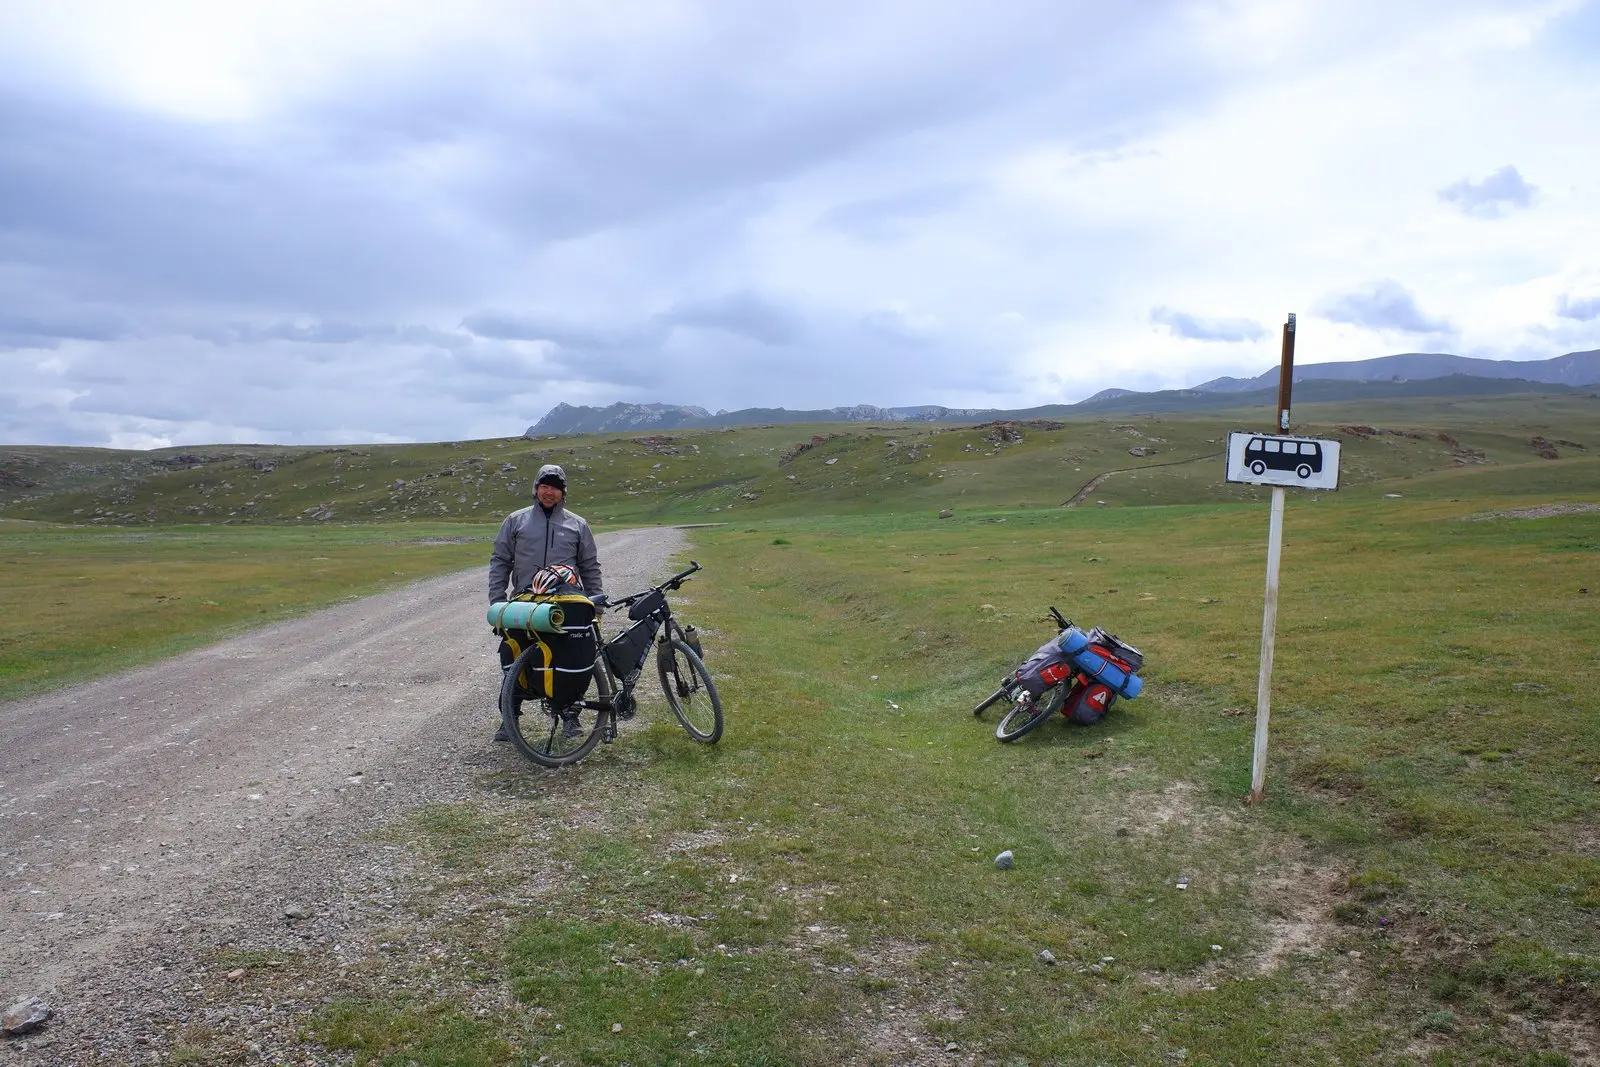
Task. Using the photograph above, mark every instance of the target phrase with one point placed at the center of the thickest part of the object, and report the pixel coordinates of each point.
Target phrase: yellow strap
(547, 689)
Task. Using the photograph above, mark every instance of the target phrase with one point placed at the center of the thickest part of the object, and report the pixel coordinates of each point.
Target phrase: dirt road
(149, 817)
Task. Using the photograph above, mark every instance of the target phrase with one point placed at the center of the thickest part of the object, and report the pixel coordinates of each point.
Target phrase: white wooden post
(1269, 632)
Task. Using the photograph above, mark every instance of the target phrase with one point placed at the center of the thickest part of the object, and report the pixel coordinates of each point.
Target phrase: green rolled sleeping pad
(545, 618)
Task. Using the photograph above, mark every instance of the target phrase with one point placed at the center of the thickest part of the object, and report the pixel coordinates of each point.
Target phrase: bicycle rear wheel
(690, 691)
(549, 736)
(1026, 714)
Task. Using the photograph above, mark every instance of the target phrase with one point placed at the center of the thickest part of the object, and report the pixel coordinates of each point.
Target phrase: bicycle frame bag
(646, 605)
(625, 653)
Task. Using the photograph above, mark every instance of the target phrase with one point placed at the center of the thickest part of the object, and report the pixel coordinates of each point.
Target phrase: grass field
(1421, 886)
(76, 603)
(768, 471)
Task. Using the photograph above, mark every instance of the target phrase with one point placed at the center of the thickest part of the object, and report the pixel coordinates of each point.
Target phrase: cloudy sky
(301, 220)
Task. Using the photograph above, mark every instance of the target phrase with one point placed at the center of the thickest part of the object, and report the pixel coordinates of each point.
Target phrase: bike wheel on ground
(993, 698)
(690, 691)
(549, 736)
(1026, 714)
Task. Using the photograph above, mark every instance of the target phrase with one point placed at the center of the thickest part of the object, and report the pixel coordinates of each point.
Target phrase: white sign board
(1268, 459)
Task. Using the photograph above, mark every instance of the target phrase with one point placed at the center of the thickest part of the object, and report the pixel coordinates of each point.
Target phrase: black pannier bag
(1118, 648)
(563, 666)
(625, 653)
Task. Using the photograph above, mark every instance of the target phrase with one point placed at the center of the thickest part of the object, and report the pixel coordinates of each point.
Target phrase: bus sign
(1269, 459)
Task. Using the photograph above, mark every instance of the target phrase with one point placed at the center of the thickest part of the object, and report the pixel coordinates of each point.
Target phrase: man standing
(543, 535)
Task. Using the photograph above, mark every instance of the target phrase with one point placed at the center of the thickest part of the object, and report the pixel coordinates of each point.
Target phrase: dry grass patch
(1301, 898)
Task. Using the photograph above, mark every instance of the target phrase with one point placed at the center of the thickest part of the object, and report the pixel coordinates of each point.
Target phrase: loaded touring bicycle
(553, 644)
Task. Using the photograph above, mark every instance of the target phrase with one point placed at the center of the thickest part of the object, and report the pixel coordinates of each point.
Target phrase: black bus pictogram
(1272, 453)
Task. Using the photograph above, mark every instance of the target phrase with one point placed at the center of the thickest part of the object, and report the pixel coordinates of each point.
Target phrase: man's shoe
(571, 728)
(501, 735)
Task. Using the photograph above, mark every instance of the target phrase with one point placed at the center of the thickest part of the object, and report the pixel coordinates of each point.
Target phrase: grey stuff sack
(1028, 674)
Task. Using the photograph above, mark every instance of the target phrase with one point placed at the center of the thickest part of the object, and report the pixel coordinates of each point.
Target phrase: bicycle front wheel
(993, 698)
(545, 734)
(1026, 714)
(690, 691)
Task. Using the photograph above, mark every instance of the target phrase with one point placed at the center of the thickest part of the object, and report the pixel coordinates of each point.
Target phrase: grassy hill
(1422, 445)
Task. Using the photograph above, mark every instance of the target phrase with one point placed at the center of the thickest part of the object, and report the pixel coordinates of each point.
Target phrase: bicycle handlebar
(671, 583)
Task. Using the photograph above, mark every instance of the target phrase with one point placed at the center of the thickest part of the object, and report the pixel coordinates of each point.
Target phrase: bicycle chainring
(623, 705)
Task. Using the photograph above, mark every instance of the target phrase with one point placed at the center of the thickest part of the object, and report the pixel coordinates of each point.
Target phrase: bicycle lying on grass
(556, 734)
(1079, 675)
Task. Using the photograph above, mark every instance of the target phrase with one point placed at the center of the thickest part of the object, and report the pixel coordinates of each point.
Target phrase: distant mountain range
(566, 418)
(1410, 374)
(1574, 368)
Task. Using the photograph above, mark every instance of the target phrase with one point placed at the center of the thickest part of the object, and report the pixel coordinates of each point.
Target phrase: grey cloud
(280, 389)
(1489, 198)
(30, 331)
(706, 118)
(273, 384)
(745, 314)
(1573, 36)
(123, 207)
(877, 355)
(326, 332)
(42, 423)
(328, 210)
(84, 328)
(1581, 310)
(1197, 328)
(742, 314)
(511, 326)
(895, 215)
(894, 327)
(11, 342)
(299, 274)
(1384, 305)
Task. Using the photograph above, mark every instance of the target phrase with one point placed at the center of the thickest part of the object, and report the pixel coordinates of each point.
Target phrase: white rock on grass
(1005, 860)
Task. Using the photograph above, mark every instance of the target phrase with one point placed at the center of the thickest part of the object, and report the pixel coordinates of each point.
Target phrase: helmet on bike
(551, 579)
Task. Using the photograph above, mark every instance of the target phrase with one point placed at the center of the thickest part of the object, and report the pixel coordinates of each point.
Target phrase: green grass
(1420, 886)
(78, 603)
(819, 887)
(414, 1035)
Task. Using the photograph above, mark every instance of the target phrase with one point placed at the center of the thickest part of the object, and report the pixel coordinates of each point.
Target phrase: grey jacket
(529, 539)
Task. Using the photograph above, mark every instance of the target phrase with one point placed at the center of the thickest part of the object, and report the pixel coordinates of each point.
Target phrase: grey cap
(552, 474)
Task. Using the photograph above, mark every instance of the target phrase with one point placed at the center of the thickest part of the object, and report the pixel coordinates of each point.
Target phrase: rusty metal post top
(1286, 375)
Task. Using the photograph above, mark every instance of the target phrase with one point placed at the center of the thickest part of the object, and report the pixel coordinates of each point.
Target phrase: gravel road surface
(150, 817)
